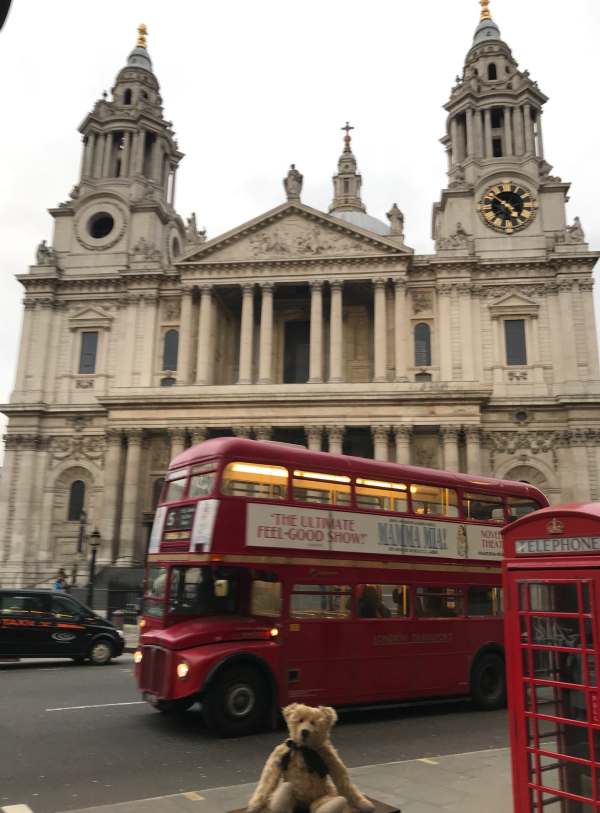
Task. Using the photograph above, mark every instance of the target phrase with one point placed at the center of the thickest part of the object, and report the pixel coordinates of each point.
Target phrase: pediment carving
(90, 318)
(514, 304)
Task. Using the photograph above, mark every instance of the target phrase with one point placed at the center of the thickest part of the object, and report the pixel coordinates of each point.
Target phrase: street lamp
(94, 544)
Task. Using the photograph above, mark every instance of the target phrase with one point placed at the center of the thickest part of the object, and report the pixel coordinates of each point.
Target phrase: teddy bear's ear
(329, 714)
(288, 711)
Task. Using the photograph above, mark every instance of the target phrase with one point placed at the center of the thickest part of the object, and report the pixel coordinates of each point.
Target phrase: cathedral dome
(362, 220)
(485, 31)
(140, 58)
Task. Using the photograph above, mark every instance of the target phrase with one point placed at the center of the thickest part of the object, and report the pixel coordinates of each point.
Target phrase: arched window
(492, 71)
(127, 96)
(422, 345)
(76, 500)
(171, 347)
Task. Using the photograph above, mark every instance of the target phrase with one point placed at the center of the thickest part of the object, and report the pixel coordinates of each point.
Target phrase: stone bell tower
(500, 190)
(123, 205)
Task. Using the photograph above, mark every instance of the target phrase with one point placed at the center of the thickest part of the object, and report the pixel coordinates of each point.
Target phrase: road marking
(16, 809)
(428, 761)
(97, 706)
(193, 796)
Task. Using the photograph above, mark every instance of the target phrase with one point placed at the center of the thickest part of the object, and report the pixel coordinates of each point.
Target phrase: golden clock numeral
(506, 186)
(486, 207)
(495, 190)
(490, 216)
(498, 221)
(526, 214)
(520, 222)
(509, 228)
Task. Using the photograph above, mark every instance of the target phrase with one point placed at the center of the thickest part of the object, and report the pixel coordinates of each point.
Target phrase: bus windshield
(202, 591)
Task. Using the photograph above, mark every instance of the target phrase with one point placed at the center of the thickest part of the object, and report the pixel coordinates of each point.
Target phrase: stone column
(265, 363)
(126, 154)
(580, 465)
(470, 134)
(380, 331)
(473, 435)
(508, 140)
(184, 355)
(316, 333)
(24, 347)
(443, 332)
(178, 437)
(173, 185)
(242, 431)
(466, 329)
(23, 476)
(450, 444)
(454, 140)
(9, 469)
(519, 130)
(246, 334)
(131, 488)
(139, 152)
(540, 138)
(204, 352)
(336, 329)
(262, 432)
(335, 435)
(107, 155)
(88, 167)
(380, 442)
(480, 145)
(403, 436)
(528, 122)
(111, 494)
(314, 435)
(569, 349)
(98, 156)
(586, 287)
(198, 434)
(487, 126)
(150, 301)
(400, 329)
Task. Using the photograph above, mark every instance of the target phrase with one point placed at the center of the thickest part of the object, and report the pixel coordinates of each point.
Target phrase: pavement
(459, 783)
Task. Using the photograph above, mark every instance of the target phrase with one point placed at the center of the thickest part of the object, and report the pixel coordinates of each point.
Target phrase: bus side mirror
(221, 588)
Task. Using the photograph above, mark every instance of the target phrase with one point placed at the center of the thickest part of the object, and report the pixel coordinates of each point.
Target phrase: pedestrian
(60, 583)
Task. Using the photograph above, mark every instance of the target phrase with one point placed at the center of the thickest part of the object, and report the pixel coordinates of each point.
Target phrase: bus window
(484, 601)
(483, 507)
(434, 500)
(323, 489)
(439, 602)
(192, 591)
(175, 487)
(519, 506)
(380, 496)
(265, 598)
(156, 590)
(383, 601)
(202, 480)
(255, 481)
(320, 601)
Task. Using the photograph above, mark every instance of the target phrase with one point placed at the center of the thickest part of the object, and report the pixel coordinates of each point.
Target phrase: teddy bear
(305, 773)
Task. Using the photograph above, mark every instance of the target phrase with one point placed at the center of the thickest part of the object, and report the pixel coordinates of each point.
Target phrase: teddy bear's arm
(341, 780)
(269, 779)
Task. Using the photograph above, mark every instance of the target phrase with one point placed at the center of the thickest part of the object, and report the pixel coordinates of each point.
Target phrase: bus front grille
(155, 670)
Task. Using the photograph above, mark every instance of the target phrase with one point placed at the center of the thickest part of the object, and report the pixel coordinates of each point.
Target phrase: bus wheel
(178, 706)
(236, 703)
(488, 682)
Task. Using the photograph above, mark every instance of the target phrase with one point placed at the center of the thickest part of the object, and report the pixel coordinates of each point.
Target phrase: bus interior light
(248, 468)
(380, 484)
(314, 475)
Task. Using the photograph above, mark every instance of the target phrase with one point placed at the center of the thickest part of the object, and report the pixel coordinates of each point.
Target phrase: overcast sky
(254, 85)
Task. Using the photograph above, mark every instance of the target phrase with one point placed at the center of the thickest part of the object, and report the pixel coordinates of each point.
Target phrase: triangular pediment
(513, 303)
(90, 317)
(293, 232)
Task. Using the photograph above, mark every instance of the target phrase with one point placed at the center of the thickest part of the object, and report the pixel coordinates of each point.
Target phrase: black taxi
(51, 624)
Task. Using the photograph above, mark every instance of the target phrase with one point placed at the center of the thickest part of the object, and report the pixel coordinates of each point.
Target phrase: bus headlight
(137, 656)
(183, 669)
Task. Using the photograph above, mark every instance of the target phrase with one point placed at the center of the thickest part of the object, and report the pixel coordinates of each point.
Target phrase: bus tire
(488, 682)
(236, 702)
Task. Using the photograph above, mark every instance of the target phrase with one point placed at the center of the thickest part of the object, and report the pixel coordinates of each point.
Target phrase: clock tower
(500, 191)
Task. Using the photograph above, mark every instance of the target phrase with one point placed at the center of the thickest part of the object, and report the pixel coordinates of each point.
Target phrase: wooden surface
(380, 807)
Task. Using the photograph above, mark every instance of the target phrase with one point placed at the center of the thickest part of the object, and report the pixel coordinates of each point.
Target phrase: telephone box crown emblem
(555, 526)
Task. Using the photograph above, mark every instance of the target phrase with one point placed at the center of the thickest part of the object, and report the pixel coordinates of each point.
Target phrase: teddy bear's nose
(304, 733)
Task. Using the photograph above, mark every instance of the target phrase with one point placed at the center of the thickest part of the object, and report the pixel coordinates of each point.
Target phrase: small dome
(363, 221)
(486, 30)
(139, 58)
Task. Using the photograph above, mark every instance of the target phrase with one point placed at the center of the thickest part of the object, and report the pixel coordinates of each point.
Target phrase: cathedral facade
(141, 337)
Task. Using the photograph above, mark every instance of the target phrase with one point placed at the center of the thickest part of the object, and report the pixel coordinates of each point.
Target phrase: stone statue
(193, 235)
(396, 218)
(575, 233)
(292, 183)
(44, 254)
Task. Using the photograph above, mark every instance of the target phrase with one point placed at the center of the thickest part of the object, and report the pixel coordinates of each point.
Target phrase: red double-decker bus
(277, 574)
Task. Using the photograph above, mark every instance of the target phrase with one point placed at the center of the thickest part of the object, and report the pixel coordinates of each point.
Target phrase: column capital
(134, 436)
(379, 282)
(450, 433)
(313, 431)
(262, 432)
(206, 288)
(400, 283)
(336, 284)
(445, 289)
(198, 434)
(114, 437)
(403, 432)
(267, 287)
(242, 431)
(178, 433)
(335, 432)
(473, 434)
(316, 284)
(247, 288)
(380, 432)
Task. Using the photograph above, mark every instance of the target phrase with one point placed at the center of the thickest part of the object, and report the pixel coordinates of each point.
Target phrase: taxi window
(21, 605)
(63, 608)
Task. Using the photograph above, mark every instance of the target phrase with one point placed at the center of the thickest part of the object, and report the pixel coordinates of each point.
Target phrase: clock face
(508, 207)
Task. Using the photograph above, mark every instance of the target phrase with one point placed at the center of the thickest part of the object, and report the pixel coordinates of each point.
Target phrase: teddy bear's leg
(282, 800)
(329, 804)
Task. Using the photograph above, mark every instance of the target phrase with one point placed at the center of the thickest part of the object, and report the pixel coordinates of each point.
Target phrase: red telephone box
(551, 576)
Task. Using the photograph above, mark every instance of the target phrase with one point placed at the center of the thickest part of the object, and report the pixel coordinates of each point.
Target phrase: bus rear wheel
(236, 703)
(488, 682)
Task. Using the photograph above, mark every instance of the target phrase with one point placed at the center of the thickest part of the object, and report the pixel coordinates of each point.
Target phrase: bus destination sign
(350, 532)
(566, 544)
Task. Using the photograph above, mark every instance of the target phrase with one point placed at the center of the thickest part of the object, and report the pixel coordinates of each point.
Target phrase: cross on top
(347, 127)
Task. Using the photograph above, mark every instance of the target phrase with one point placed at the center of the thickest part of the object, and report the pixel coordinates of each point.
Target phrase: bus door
(316, 614)
(552, 639)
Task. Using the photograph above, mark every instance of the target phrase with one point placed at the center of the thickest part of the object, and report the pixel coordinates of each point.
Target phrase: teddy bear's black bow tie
(313, 760)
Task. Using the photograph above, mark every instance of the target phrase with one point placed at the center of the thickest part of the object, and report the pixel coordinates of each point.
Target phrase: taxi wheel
(236, 703)
(488, 682)
(100, 652)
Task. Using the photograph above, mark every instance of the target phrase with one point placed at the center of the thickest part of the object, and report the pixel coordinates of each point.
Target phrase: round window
(100, 225)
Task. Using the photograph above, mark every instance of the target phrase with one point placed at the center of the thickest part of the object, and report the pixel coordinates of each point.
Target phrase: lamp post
(94, 544)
